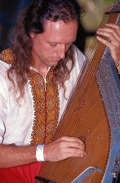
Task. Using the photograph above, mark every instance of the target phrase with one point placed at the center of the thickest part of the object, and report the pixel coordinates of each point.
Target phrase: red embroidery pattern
(46, 106)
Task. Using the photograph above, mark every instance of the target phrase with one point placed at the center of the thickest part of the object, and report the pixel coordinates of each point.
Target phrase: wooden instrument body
(89, 117)
(109, 84)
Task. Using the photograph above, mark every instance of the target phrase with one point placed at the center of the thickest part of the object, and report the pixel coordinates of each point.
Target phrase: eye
(53, 44)
(69, 44)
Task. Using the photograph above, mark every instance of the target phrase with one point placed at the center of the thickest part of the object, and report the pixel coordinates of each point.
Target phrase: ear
(32, 35)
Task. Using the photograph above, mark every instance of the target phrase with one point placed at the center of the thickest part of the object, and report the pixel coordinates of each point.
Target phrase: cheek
(50, 50)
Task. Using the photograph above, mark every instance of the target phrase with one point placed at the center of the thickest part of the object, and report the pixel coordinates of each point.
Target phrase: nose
(61, 51)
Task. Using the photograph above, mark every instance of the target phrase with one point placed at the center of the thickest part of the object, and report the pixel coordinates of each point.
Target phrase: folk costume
(34, 119)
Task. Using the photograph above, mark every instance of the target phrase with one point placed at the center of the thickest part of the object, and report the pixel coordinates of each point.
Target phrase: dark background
(9, 10)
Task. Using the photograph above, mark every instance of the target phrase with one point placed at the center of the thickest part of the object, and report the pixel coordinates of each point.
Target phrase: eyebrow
(61, 43)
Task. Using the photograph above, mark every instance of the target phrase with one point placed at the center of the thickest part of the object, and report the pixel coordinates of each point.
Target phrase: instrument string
(94, 44)
(90, 180)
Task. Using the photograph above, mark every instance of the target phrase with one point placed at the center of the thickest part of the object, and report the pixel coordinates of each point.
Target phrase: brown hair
(32, 19)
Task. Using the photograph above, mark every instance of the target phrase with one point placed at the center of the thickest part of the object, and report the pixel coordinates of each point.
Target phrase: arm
(12, 156)
(64, 147)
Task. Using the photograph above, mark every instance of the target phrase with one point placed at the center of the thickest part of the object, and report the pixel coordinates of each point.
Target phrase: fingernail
(97, 37)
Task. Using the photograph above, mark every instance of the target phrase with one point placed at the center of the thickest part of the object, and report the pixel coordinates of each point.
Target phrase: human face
(50, 46)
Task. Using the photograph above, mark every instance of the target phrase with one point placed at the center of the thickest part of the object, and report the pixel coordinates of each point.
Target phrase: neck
(42, 69)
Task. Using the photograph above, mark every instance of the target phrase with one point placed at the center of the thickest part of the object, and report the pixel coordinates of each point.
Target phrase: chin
(54, 63)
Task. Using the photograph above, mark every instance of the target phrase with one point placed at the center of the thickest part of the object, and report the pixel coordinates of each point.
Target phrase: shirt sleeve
(3, 102)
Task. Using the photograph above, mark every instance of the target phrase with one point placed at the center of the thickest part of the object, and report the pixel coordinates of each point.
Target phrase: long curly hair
(31, 20)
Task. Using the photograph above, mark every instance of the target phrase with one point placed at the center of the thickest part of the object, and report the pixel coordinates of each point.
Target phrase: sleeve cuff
(39, 152)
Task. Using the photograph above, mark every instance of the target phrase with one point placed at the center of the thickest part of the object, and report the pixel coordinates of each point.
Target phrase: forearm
(62, 148)
(12, 156)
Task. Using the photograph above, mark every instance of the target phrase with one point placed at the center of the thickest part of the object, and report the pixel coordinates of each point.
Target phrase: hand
(111, 31)
(64, 147)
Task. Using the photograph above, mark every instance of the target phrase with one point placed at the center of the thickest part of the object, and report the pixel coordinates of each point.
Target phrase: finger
(105, 42)
(114, 26)
(68, 153)
(72, 152)
(114, 49)
(71, 139)
(111, 33)
(71, 144)
(62, 149)
(113, 46)
(75, 145)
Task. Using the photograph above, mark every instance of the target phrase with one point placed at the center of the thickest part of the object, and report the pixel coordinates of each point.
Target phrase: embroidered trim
(7, 56)
(46, 104)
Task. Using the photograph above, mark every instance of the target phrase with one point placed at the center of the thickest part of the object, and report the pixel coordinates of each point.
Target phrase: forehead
(60, 31)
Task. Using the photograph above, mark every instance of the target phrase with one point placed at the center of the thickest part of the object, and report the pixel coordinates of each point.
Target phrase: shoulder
(4, 81)
(5, 63)
(7, 56)
(3, 69)
(6, 59)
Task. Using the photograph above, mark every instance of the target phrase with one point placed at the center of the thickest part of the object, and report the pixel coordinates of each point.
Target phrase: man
(37, 76)
(41, 72)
